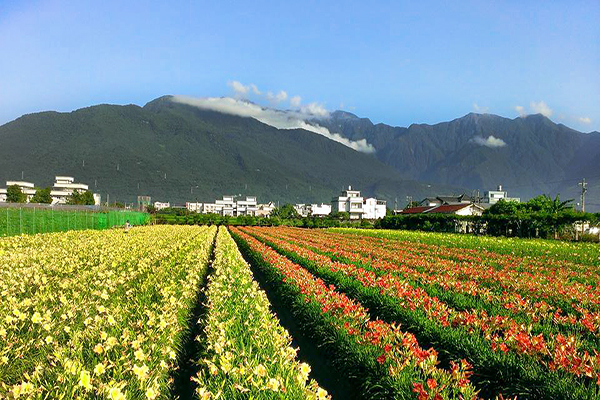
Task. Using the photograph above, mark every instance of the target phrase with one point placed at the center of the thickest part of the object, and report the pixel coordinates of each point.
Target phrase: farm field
(173, 311)
(525, 325)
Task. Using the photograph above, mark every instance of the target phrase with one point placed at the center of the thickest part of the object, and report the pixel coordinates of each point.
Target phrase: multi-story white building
(374, 209)
(493, 196)
(194, 207)
(246, 207)
(161, 205)
(229, 206)
(64, 186)
(320, 210)
(27, 188)
(350, 201)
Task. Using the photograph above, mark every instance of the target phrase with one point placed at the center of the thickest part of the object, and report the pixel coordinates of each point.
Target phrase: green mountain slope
(174, 152)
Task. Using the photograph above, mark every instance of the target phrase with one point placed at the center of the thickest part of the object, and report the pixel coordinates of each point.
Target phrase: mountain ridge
(178, 153)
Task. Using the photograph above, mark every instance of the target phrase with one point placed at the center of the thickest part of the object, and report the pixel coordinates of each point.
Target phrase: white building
(161, 206)
(302, 209)
(320, 210)
(493, 196)
(374, 209)
(229, 206)
(27, 188)
(264, 210)
(350, 202)
(64, 186)
(194, 207)
(246, 207)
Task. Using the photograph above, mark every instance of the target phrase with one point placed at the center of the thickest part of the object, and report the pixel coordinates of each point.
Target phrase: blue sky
(398, 63)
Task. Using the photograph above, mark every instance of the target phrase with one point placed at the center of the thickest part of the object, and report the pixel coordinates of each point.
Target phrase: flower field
(377, 315)
(246, 352)
(529, 326)
(97, 314)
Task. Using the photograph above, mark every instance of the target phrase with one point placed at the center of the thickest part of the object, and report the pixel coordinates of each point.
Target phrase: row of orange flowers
(503, 333)
(397, 350)
(448, 274)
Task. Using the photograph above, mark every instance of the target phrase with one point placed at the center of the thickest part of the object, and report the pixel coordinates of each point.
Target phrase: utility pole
(22, 175)
(583, 185)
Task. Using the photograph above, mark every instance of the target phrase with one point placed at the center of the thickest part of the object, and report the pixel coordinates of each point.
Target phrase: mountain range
(177, 152)
(528, 155)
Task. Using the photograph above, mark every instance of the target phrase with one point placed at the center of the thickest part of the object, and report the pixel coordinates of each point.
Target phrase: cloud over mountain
(289, 119)
(491, 141)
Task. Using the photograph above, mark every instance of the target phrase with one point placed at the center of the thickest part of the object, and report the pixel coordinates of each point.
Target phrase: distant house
(456, 209)
(357, 206)
(315, 210)
(417, 210)
(350, 202)
(441, 200)
(143, 202)
(264, 210)
(374, 209)
(64, 186)
(161, 206)
(228, 206)
(27, 188)
(193, 207)
(494, 196)
(320, 210)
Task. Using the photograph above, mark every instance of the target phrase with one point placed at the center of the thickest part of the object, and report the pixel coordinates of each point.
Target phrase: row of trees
(541, 216)
(14, 194)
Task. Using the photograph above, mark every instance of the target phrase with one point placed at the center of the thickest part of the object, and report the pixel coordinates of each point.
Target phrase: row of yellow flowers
(247, 354)
(97, 314)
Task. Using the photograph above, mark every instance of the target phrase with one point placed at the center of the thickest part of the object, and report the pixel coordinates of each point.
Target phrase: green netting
(16, 221)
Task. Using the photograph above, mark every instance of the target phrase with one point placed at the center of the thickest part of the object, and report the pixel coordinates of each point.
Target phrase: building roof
(450, 208)
(416, 210)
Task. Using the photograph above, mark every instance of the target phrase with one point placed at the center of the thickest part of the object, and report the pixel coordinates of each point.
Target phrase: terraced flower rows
(378, 315)
(457, 300)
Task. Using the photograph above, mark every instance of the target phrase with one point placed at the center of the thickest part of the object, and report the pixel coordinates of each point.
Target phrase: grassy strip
(247, 354)
(378, 359)
(99, 314)
(495, 371)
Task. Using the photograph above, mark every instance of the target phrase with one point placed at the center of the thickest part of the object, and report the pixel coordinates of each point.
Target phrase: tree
(15, 195)
(79, 198)
(503, 207)
(42, 196)
(287, 211)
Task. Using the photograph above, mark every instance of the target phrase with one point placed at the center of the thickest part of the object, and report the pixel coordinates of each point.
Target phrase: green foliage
(81, 198)
(15, 195)
(42, 196)
(286, 211)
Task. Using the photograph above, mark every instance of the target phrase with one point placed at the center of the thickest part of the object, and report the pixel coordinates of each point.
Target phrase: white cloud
(279, 119)
(296, 101)
(491, 141)
(241, 90)
(478, 109)
(277, 98)
(521, 110)
(585, 120)
(541, 108)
